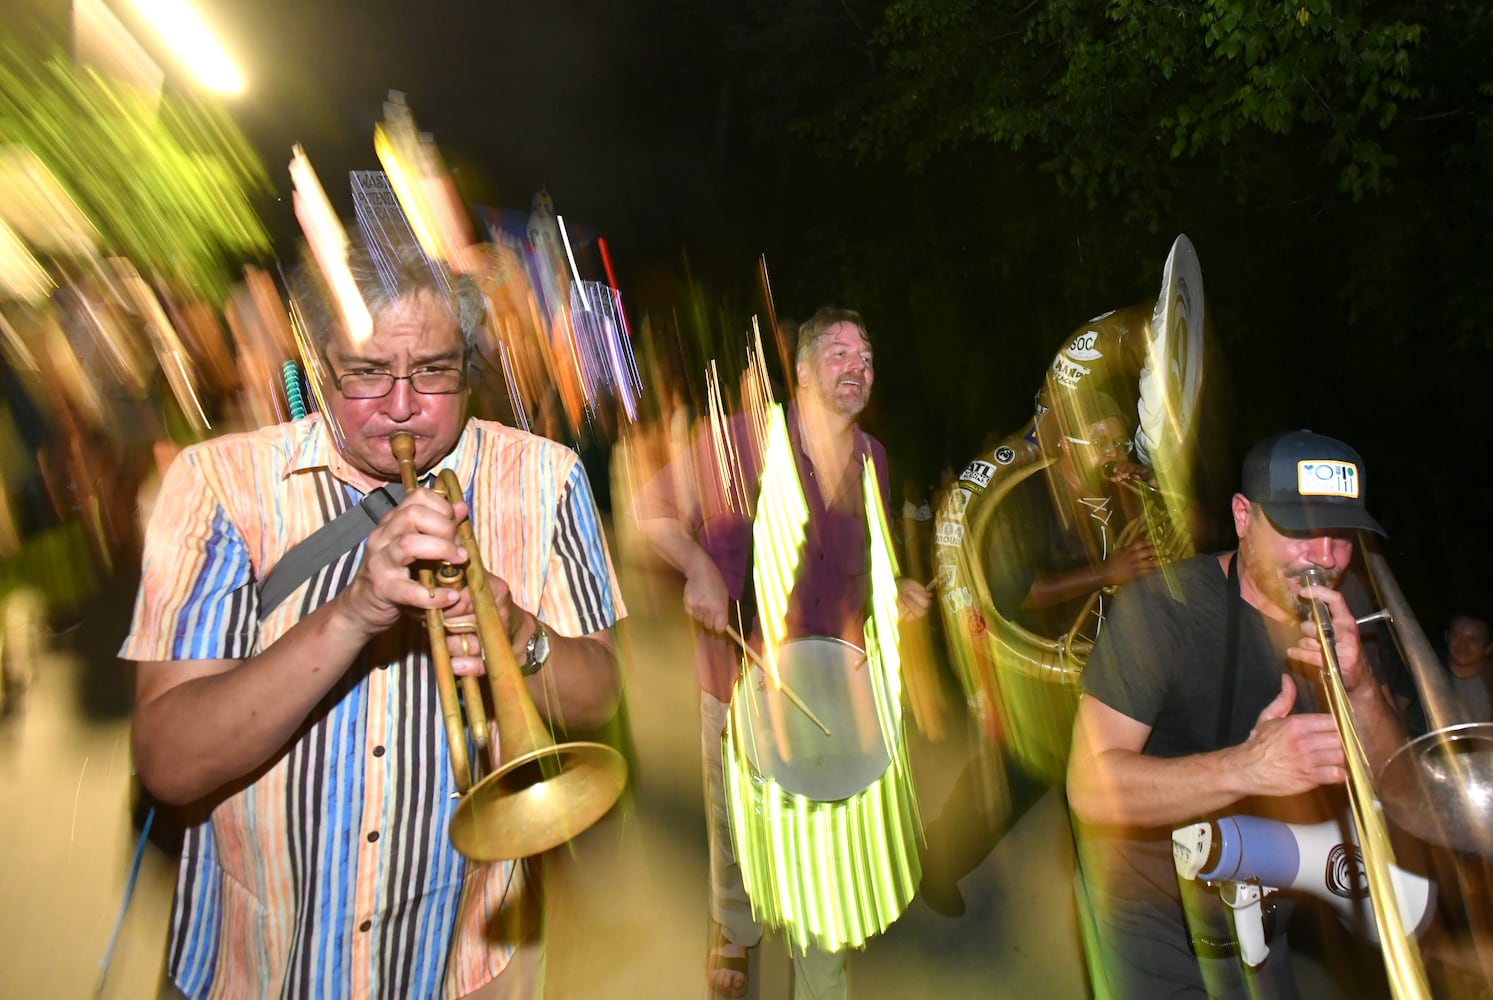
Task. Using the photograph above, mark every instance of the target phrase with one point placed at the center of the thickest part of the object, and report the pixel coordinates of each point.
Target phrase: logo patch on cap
(1323, 478)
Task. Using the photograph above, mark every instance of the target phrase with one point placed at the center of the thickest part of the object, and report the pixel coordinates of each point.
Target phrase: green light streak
(830, 874)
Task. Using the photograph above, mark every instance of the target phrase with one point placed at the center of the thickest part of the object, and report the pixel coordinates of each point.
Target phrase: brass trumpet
(537, 795)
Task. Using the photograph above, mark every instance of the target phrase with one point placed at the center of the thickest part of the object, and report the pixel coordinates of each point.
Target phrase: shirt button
(373, 836)
(378, 751)
(365, 926)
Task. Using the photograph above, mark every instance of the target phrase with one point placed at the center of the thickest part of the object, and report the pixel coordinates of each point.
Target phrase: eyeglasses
(426, 381)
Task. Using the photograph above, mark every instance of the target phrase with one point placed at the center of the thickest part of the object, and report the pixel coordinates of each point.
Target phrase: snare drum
(824, 827)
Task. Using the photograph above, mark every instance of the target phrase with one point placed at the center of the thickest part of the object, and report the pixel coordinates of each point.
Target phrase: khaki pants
(729, 905)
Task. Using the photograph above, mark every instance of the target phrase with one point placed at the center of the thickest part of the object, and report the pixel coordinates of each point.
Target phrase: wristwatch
(537, 650)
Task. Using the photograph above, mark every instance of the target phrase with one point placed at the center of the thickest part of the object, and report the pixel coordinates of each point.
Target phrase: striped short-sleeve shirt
(329, 873)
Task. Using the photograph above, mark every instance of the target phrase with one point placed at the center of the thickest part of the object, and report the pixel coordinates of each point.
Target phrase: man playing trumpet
(1203, 704)
(308, 732)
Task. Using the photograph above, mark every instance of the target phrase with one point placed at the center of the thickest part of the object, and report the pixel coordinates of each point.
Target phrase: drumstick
(787, 691)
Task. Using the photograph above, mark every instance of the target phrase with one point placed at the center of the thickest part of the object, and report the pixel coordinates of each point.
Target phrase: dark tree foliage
(979, 178)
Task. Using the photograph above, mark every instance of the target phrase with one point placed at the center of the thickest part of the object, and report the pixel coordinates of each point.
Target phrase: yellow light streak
(777, 536)
(830, 874)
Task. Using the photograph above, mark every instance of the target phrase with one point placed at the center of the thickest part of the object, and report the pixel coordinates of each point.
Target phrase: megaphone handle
(1243, 900)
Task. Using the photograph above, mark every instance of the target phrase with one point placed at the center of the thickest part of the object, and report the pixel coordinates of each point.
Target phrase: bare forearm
(1051, 589)
(195, 737)
(1380, 728)
(673, 544)
(1127, 788)
(579, 685)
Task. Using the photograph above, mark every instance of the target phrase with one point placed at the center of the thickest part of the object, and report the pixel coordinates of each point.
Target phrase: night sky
(589, 100)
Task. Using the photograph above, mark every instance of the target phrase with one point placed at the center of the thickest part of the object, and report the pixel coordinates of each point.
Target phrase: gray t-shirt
(1160, 660)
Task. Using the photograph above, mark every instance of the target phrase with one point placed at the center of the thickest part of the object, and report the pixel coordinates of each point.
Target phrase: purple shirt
(832, 584)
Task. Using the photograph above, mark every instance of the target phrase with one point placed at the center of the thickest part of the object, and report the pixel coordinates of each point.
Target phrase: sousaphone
(1149, 357)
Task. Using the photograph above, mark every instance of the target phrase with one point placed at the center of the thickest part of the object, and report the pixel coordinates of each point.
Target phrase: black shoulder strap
(1230, 657)
(338, 536)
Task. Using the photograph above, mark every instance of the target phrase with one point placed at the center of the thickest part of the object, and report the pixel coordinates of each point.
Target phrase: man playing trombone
(1203, 704)
(306, 728)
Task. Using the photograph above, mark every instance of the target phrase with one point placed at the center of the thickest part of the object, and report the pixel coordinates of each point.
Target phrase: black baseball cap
(1306, 482)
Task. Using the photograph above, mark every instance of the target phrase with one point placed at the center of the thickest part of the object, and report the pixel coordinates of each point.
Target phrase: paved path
(628, 906)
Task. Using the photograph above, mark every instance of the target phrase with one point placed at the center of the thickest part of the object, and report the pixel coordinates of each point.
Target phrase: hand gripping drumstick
(787, 691)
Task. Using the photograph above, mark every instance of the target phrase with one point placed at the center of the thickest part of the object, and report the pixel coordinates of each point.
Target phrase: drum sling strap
(338, 536)
(1203, 945)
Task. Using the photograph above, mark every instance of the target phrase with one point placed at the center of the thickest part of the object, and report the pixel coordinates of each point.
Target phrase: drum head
(834, 680)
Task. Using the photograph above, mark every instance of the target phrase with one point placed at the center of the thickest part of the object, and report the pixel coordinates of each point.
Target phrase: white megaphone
(1250, 857)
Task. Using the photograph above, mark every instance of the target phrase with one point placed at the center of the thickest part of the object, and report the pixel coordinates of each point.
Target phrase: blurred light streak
(575, 273)
(328, 242)
(772, 315)
(606, 265)
(175, 362)
(756, 388)
(193, 42)
(777, 537)
(39, 208)
(103, 44)
(421, 184)
(604, 354)
(21, 276)
(520, 411)
(727, 461)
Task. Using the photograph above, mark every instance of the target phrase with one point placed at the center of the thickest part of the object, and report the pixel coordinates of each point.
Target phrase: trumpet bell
(538, 801)
(1439, 787)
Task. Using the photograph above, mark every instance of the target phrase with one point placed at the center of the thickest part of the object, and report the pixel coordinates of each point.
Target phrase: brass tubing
(537, 795)
(403, 447)
(511, 701)
(1402, 962)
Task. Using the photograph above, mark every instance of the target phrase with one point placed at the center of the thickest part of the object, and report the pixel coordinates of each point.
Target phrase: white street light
(189, 37)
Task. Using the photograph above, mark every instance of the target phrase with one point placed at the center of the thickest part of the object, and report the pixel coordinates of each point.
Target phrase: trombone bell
(1439, 787)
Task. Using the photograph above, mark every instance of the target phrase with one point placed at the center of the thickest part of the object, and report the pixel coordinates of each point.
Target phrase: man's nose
(1319, 551)
(400, 402)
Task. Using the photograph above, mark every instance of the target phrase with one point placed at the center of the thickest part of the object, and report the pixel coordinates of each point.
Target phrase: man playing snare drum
(711, 544)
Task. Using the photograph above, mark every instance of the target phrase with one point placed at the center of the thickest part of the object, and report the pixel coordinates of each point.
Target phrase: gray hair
(383, 279)
(820, 323)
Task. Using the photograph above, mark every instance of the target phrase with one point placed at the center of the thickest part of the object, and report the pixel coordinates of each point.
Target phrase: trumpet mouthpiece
(402, 444)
